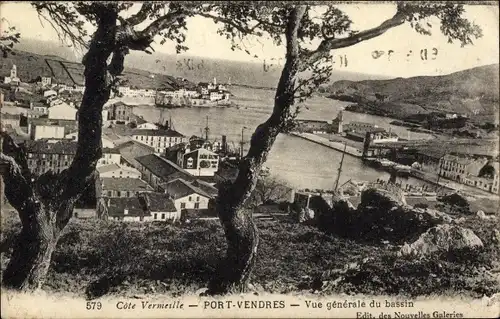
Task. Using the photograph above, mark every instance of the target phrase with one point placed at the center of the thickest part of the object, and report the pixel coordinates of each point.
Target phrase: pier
(330, 144)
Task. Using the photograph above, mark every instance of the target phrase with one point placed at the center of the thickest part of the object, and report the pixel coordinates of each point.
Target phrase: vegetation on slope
(115, 258)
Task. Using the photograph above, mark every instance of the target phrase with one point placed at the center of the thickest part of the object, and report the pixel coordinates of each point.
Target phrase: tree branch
(141, 40)
(329, 44)
(18, 186)
(239, 27)
(141, 15)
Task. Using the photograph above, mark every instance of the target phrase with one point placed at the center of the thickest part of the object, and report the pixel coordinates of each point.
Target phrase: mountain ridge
(469, 92)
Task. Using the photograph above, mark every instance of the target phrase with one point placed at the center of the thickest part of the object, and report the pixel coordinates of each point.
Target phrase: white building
(62, 111)
(46, 80)
(13, 78)
(158, 139)
(109, 156)
(147, 126)
(106, 141)
(131, 209)
(117, 171)
(48, 93)
(46, 131)
(199, 162)
(186, 195)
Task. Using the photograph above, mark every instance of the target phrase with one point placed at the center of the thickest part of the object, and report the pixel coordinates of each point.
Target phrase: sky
(442, 57)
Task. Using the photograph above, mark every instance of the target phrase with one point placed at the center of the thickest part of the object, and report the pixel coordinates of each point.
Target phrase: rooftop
(162, 167)
(138, 206)
(159, 132)
(59, 146)
(125, 184)
(181, 188)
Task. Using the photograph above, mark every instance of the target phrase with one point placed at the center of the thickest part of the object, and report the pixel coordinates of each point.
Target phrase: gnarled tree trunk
(239, 228)
(45, 206)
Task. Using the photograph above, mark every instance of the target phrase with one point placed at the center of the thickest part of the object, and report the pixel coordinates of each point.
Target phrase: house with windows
(159, 139)
(199, 162)
(57, 155)
(120, 187)
(187, 195)
(144, 207)
(120, 111)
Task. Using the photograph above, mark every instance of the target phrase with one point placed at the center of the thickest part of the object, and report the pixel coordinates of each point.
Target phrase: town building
(49, 93)
(198, 162)
(131, 150)
(108, 187)
(146, 207)
(157, 170)
(362, 127)
(12, 120)
(457, 167)
(337, 126)
(13, 79)
(106, 142)
(147, 126)
(187, 195)
(159, 139)
(38, 132)
(117, 171)
(312, 126)
(109, 156)
(46, 80)
(56, 155)
(120, 111)
(384, 137)
(428, 160)
(62, 111)
(40, 108)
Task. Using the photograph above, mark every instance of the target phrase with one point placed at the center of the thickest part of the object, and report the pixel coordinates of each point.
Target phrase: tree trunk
(30, 260)
(242, 238)
(45, 206)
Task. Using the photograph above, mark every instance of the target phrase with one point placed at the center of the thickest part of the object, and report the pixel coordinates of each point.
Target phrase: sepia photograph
(249, 159)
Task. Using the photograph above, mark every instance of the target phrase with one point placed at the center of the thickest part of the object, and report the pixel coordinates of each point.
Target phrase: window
(183, 205)
(196, 205)
(110, 193)
(197, 198)
(190, 198)
(162, 216)
(155, 216)
(119, 193)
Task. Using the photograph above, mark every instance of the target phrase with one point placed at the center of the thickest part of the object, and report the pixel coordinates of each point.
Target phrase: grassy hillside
(470, 91)
(123, 259)
(31, 65)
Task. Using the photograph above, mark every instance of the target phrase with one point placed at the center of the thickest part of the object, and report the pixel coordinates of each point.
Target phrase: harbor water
(298, 162)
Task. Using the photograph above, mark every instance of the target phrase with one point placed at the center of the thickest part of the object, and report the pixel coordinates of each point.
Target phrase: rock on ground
(444, 238)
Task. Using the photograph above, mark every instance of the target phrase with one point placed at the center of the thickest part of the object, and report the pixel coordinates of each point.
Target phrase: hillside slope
(31, 65)
(472, 91)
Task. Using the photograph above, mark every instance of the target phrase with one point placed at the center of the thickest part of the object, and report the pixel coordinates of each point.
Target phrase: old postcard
(249, 159)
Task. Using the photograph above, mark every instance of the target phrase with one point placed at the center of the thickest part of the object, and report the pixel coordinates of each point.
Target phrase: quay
(330, 144)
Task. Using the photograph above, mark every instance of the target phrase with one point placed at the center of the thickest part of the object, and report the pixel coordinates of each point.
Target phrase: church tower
(13, 72)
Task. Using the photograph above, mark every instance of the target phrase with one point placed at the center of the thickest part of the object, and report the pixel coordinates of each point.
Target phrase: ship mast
(207, 129)
(340, 167)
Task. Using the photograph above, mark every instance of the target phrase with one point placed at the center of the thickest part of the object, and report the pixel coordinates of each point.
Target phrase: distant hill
(193, 68)
(31, 65)
(471, 91)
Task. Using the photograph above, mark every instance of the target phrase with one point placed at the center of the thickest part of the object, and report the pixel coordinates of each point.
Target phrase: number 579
(94, 305)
